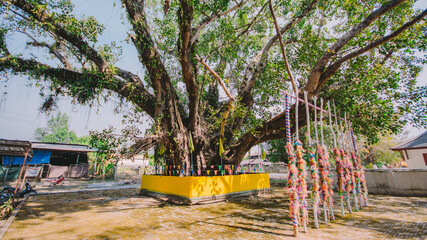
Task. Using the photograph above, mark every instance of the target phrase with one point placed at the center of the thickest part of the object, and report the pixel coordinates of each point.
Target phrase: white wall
(394, 181)
(400, 181)
(415, 158)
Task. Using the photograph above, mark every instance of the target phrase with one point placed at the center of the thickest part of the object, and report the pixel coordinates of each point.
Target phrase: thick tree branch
(271, 129)
(49, 23)
(340, 43)
(330, 70)
(185, 17)
(144, 144)
(87, 82)
(207, 20)
(149, 54)
(257, 64)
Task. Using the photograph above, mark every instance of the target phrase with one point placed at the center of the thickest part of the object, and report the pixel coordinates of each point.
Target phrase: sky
(19, 114)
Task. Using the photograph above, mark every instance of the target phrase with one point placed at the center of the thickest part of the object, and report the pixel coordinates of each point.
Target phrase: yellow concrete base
(198, 189)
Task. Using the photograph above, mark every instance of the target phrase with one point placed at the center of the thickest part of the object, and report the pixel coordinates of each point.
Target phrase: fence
(397, 181)
(393, 181)
(276, 168)
(72, 171)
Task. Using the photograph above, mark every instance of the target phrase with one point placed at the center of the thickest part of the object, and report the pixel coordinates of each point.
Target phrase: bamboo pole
(337, 159)
(345, 164)
(353, 170)
(326, 198)
(313, 167)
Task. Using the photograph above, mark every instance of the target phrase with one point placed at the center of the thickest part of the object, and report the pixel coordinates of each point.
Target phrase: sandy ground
(125, 177)
(124, 214)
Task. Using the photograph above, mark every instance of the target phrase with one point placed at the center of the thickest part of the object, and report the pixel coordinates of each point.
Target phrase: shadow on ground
(124, 214)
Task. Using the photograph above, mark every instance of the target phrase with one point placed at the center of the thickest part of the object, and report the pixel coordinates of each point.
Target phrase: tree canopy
(57, 130)
(361, 54)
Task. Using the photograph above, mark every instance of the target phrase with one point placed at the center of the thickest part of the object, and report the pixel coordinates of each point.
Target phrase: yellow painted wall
(192, 187)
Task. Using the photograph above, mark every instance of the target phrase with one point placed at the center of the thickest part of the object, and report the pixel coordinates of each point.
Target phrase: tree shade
(361, 55)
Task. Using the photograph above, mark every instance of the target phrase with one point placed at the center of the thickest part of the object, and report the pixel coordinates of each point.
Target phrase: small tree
(57, 130)
(277, 151)
(379, 154)
(110, 149)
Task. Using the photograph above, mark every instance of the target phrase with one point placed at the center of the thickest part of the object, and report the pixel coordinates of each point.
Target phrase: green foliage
(57, 130)
(378, 89)
(379, 154)
(109, 151)
(277, 151)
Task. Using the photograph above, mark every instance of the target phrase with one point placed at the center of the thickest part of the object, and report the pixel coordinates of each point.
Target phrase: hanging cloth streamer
(291, 187)
(325, 171)
(346, 173)
(313, 167)
(362, 189)
(351, 165)
(302, 183)
(338, 161)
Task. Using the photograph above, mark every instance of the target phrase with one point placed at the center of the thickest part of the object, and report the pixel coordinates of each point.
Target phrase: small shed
(50, 160)
(19, 149)
(414, 151)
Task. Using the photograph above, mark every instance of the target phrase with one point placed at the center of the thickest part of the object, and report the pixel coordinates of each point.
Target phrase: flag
(162, 149)
(262, 153)
(190, 143)
(221, 148)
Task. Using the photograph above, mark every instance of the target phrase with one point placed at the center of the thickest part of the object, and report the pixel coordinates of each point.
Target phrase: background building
(414, 151)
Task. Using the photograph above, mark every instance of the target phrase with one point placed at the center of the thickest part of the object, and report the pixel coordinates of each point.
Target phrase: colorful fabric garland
(340, 172)
(302, 183)
(291, 186)
(326, 188)
(314, 177)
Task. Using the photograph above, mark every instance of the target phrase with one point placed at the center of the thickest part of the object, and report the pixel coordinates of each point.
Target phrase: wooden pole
(313, 166)
(353, 180)
(20, 173)
(336, 152)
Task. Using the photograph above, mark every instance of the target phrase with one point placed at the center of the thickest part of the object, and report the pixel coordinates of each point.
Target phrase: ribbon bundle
(302, 183)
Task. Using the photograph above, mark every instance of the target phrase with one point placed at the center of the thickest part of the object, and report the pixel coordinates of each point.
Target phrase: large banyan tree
(364, 54)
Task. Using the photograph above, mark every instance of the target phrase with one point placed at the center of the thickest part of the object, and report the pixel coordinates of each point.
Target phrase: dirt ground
(124, 214)
(125, 176)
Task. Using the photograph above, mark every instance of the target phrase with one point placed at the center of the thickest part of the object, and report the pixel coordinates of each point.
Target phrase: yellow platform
(197, 189)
